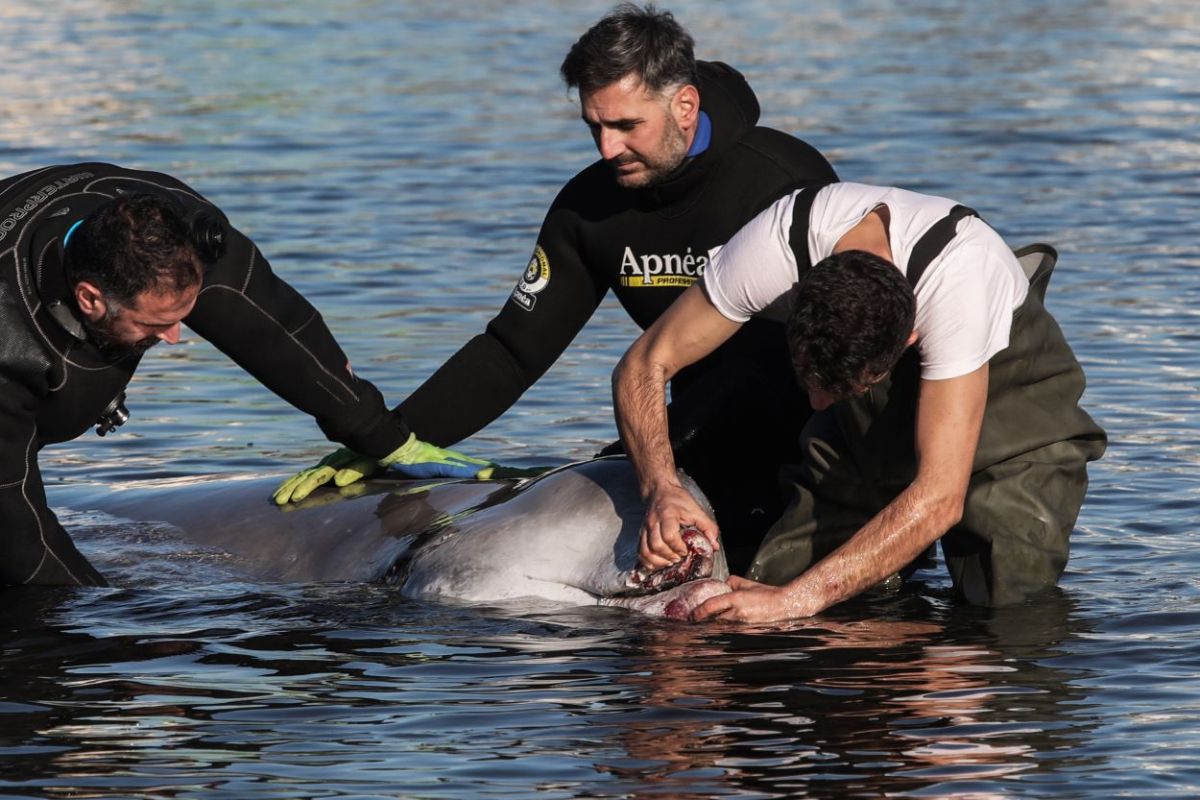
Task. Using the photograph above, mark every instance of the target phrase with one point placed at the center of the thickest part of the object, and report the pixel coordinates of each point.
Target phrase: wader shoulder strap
(929, 246)
(798, 236)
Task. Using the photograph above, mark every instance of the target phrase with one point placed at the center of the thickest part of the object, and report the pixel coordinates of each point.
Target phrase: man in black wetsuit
(682, 167)
(97, 264)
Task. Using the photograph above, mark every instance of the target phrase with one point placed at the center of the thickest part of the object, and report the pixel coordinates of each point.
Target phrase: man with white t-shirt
(945, 402)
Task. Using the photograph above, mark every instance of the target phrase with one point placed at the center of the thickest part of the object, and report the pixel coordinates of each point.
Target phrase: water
(394, 162)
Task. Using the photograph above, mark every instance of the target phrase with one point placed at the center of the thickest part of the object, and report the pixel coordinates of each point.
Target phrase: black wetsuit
(55, 381)
(733, 416)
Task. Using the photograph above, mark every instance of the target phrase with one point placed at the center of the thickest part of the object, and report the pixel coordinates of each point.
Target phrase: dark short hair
(133, 244)
(644, 41)
(851, 317)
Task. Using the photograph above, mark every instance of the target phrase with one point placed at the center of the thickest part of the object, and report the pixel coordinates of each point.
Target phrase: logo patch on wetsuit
(670, 270)
(535, 279)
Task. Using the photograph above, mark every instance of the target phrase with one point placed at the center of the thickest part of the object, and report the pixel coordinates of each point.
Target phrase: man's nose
(170, 335)
(610, 143)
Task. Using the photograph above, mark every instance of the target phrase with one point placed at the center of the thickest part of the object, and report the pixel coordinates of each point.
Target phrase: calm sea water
(394, 160)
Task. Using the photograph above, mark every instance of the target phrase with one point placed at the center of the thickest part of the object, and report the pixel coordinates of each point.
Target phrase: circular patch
(537, 272)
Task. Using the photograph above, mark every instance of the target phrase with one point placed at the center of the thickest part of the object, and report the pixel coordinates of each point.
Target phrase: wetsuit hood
(728, 100)
(732, 108)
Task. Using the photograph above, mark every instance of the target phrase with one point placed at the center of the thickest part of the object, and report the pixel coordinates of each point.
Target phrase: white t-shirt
(965, 299)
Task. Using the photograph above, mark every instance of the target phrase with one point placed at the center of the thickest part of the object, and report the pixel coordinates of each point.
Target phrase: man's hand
(669, 510)
(418, 459)
(413, 459)
(751, 601)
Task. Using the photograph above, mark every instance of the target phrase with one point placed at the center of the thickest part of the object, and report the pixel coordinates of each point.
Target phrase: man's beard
(100, 332)
(663, 164)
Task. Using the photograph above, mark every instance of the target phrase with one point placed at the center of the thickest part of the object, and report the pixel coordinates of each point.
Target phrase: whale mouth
(698, 563)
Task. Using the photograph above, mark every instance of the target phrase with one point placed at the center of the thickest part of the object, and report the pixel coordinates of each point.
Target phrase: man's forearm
(949, 417)
(689, 330)
(466, 394)
(639, 397)
(895, 536)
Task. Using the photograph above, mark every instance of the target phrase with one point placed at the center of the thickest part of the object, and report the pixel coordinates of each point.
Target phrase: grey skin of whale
(569, 536)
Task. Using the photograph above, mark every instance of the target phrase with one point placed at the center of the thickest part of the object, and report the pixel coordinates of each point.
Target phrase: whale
(569, 536)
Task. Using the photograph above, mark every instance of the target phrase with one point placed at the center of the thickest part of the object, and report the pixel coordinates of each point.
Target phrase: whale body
(569, 536)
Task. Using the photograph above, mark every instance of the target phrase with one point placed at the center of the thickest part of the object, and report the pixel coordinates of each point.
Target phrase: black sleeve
(277, 336)
(34, 547)
(551, 303)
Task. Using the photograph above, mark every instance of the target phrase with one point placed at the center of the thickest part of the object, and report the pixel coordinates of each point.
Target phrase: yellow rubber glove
(413, 459)
(301, 485)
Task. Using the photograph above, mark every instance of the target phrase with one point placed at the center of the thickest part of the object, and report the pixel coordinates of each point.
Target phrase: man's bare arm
(689, 330)
(949, 418)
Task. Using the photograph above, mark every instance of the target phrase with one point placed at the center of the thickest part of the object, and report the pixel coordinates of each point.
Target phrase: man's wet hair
(631, 39)
(133, 244)
(851, 317)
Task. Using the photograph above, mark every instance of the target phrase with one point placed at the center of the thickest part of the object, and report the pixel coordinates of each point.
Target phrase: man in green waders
(945, 402)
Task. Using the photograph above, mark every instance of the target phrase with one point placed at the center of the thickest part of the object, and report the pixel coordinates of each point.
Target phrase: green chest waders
(1029, 475)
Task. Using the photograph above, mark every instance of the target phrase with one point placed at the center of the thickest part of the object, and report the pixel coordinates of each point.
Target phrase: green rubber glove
(355, 465)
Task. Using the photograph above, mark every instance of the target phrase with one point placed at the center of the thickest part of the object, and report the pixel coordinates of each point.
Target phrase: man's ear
(90, 300)
(685, 107)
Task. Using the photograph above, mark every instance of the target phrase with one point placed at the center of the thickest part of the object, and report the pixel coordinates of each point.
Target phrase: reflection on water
(904, 701)
(898, 694)
(394, 162)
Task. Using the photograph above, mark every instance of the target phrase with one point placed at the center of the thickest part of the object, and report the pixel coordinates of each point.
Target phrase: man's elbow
(938, 505)
(632, 368)
(946, 511)
(620, 374)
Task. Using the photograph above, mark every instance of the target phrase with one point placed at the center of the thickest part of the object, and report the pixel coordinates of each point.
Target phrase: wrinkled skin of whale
(569, 536)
